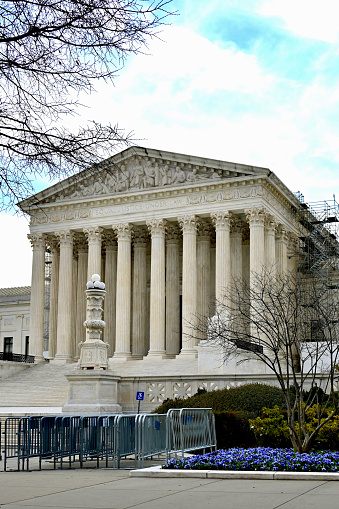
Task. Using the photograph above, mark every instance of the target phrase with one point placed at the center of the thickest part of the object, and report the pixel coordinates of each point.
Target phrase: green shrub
(246, 398)
(271, 429)
(233, 430)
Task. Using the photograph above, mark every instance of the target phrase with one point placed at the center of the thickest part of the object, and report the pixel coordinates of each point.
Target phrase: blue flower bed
(260, 458)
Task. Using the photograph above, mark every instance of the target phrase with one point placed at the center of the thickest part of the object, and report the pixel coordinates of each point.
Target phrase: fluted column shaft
(139, 319)
(37, 305)
(94, 251)
(281, 250)
(172, 291)
(111, 289)
(203, 271)
(256, 219)
(80, 332)
(270, 255)
(236, 251)
(222, 222)
(157, 297)
(123, 295)
(293, 253)
(189, 283)
(64, 334)
(53, 310)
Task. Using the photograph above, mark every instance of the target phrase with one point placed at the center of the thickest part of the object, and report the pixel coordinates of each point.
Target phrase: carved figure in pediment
(179, 176)
(122, 181)
(137, 177)
(150, 176)
(111, 182)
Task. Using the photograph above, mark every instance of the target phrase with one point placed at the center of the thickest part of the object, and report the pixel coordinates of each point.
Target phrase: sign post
(140, 397)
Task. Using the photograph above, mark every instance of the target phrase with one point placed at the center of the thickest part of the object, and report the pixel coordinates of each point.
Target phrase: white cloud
(307, 18)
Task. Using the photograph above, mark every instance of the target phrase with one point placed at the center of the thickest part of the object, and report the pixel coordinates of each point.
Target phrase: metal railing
(190, 429)
(16, 357)
(67, 439)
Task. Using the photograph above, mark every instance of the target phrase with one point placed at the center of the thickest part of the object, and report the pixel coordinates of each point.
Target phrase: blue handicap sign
(140, 396)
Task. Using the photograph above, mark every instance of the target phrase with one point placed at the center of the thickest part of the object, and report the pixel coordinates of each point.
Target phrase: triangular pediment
(138, 169)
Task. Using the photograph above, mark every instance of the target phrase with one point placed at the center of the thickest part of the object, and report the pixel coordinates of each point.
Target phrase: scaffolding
(319, 240)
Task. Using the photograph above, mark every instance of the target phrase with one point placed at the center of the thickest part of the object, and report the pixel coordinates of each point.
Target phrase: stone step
(41, 385)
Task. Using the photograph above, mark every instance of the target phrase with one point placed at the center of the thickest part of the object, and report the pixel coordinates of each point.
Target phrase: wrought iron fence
(16, 357)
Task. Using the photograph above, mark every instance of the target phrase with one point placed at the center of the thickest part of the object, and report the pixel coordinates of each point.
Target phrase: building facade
(167, 232)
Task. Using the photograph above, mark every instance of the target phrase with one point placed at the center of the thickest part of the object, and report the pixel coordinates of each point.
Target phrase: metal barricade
(11, 440)
(190, 429)
(47, 430)
(106, 427)
(124, 437)
(29, 439)
(151, 436)
(67, 442)
(0, 441)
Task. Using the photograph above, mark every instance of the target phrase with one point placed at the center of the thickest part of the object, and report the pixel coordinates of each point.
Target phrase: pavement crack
(300, 495)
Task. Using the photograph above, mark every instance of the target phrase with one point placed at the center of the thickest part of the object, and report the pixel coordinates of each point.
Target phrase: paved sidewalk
(114, 489)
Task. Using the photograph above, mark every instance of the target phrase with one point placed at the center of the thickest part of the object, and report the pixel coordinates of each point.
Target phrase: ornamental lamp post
(93, 351)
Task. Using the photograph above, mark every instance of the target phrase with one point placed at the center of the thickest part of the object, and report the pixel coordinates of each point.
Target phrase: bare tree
(289, 323)
(50, 51)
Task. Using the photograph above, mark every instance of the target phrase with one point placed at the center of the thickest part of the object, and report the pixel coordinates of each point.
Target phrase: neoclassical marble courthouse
(167, 232)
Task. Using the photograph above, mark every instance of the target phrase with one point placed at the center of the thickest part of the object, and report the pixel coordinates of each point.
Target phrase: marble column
(173, 238)
(139, 316)
(157, 297)
(188, 225)
(256, 219)
(37, 305)
(270, 255)
(123, 295)
(111, 249)
(222, 222)
(53, 312)
(281, 249)
(64, 333)
(204, 271)
(80, 332)
(94, 235)
(236, 250)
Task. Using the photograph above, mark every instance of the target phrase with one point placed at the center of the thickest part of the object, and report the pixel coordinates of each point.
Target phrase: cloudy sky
(249, 81)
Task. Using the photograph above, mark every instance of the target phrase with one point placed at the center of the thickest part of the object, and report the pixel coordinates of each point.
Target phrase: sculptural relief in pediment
(140, 174)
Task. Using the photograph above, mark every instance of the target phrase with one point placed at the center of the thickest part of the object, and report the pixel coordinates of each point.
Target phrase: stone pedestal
(93, 355)
(92, 392)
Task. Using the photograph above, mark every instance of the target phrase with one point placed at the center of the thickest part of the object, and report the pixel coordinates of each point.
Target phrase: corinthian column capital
(188, 224)
(65, 238)
(93, 234)
(156, 227)
(123, 231)
(256, 217)
(37, 240)
(222, 220)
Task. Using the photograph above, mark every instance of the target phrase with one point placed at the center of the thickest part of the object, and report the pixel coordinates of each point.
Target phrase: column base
(155, 354)
(62, 359)
(187, 353)
(38, 359)
(122, 356)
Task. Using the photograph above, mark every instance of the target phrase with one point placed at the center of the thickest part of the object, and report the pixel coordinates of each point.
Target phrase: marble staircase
(41, 385)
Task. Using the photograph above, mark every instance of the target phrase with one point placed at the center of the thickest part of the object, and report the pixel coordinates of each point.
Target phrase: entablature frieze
(200, 200)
